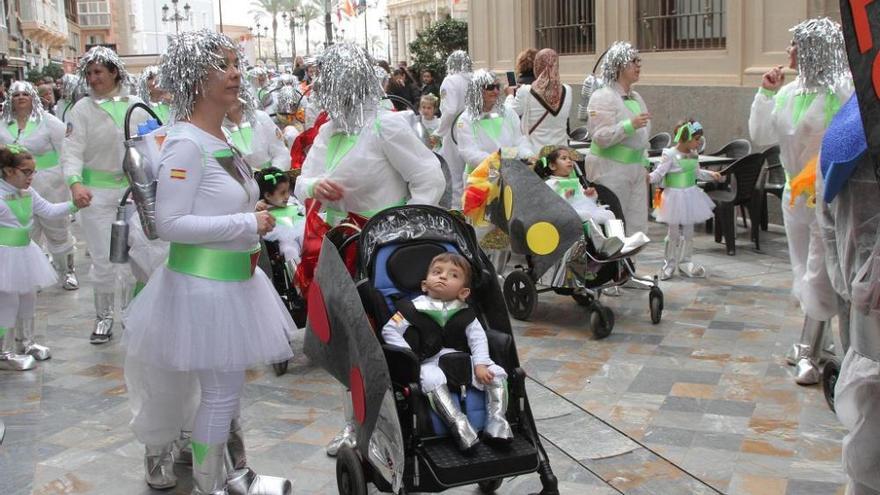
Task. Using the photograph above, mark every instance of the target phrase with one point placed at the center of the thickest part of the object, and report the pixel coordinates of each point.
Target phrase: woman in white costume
(620, 127)
(150, 92)
(23, 268)
(209, 313)
(255, 135)
(452, 101)
(363, 160)
(544, 105)
(71, 92)
(92, 161)
(795, 116)
(25, 122)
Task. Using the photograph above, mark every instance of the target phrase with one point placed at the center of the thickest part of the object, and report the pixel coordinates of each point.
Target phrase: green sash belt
(680, 180)
(103, 180)
(288, 215)
(213, 264)
(15, 236)
(46, 160)
(334, 216)
(619, 153)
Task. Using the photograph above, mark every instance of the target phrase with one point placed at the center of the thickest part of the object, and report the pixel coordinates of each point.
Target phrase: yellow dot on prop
(542, 238)
(508, 202)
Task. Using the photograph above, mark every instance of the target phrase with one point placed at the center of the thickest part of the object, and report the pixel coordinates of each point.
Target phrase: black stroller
(394, 250)
(580, 273)
(279, 271)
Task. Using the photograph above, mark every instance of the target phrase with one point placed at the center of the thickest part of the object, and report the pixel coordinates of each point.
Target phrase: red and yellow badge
(178, 173)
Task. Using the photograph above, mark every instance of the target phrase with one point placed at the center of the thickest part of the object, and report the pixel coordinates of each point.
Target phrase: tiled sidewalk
(701, 403)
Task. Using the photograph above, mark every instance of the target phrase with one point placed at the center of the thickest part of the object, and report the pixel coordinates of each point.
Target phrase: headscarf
(23, 87)
(105, 56)
(143, 87)
(616, 58)
(458, 62)
(473, 100)
(821, 54)
(547, 84)
(190, 57)
(346, 86)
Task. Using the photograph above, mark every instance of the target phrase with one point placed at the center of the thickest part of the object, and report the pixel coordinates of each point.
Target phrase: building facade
(43, 27)
(74, 35)
(701, 59)
(407, 18)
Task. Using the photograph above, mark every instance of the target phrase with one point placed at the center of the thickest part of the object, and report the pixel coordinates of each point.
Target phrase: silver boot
(184, 448)
(24, 340)
(808, 332)
(606, 246)
(671, 254)
(346, 436)
(9, 360)
(807, 364)
(455, 420)
(687, 267)
(159, 466)
(64, 265)
(209, 469)
(242, 480)
(497, 428)
(103, 318)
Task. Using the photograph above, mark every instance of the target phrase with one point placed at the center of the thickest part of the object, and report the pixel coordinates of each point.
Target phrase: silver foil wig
(184, 67)
(23, 87)
(473, 100)
(287, 100)
(458, 62)
(71, 87)
(618, 55)
(105, 56)
(821, 53)
(347, 86)
(143, 87)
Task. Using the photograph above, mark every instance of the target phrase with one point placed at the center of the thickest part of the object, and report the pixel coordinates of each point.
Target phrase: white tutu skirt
(684, 206)
(185, 323)
(25, 269)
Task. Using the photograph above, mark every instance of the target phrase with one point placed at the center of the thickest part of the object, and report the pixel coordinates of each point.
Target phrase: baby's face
(427, 111)
(280, 196)
(445, 282)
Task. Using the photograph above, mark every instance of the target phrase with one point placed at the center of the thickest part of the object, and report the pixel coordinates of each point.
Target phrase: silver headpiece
(71, 89)
(383, 77)
(473, 100)
(458, 61)
(287, 80)
(821, 54)
(23, 87)
(143, 87)
(190, 57)
(346, 85)
(618, 55)
(102, 55)
(287, 100)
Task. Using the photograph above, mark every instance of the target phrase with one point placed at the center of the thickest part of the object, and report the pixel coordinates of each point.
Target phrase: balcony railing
(672, 25)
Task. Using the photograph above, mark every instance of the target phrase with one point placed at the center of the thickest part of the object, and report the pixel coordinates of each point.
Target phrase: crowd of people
(242, 153)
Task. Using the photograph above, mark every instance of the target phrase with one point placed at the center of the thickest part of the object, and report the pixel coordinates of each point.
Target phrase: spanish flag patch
(397, 318)
(178, 173)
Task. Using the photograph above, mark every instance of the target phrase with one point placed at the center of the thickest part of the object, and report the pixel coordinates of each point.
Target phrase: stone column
(401, 41)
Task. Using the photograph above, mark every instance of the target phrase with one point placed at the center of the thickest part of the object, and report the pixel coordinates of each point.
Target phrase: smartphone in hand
(511, 78)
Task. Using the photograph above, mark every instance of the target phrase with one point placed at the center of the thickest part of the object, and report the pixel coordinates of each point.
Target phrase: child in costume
(683, 203)
(275, 187)
(438, 323)
(23, 268)
(428, 111)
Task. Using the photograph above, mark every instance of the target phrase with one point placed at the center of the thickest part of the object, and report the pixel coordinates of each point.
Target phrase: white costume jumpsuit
(261, 143)
(384, 165)
(617, 156)
(549, 130)
(480, 137)
(43, 138)
(797, 120)
(452, 95)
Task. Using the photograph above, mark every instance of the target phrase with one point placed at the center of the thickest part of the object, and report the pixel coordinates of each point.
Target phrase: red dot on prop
(358, 395)
(318, 321)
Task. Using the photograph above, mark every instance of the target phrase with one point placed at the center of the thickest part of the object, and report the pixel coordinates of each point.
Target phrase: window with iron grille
(675, 25)
(567, 26)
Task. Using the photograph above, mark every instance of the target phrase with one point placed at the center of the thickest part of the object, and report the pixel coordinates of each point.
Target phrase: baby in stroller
(436, 326)
(275, 186)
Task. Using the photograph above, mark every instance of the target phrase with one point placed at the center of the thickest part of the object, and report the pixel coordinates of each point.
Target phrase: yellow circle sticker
(542, 238)
(508, 202)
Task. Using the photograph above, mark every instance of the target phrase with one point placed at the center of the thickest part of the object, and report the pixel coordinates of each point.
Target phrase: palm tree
(273, 8)
(309, 12)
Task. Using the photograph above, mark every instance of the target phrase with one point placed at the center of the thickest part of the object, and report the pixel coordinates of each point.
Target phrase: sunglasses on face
(26, 172)
(491, 87)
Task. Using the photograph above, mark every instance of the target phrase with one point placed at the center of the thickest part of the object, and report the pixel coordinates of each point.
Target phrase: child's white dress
(571, 190)
(683, 203)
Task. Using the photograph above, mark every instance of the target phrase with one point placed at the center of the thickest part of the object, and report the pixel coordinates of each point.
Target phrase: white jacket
(610, 121)
(39, 136)
(265, 147)
(553, 130)
(475, 144)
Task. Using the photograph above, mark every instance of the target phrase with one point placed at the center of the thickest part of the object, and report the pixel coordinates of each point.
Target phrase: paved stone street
(701, 403)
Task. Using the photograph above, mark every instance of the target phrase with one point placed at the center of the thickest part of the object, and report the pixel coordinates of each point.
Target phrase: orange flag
(349, 8)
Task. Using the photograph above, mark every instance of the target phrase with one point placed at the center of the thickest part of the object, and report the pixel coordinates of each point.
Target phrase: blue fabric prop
(475, 405)
(842, 147)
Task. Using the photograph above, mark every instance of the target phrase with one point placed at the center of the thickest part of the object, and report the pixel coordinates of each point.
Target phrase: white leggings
(15, 305)
(220, 403)
(677, 232)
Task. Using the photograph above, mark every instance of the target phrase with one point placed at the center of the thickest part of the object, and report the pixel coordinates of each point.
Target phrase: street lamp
(176, 16)
(293, 25)
(258, 36)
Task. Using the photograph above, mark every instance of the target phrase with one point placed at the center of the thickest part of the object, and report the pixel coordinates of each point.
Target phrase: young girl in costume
(23, 268)
(275, 187)
(428, 111)
(683, 203)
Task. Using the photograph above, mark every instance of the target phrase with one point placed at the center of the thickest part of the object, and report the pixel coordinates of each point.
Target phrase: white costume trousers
(96, 222)
(628, 183)
(51, 186)
(219, 404)
(857, 401)
(431, 376)
(163, 402)
(14, 305)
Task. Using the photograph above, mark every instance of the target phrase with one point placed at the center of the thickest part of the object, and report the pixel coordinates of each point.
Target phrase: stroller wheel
(489, 486)
(349, 473)
(583, 299)
(830, 373)
(520, 294)
(280, 368)
(655, 303)
(601, 321)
